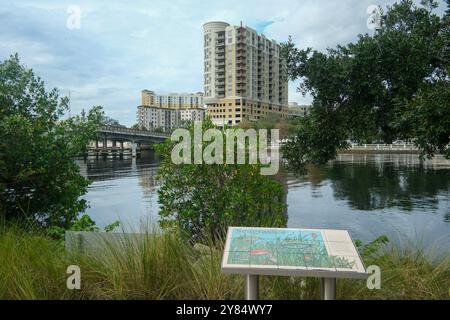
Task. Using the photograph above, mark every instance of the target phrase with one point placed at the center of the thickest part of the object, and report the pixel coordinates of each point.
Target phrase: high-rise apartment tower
(245, 78)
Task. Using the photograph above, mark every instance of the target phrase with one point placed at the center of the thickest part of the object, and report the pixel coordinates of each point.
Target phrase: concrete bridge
(119, 140)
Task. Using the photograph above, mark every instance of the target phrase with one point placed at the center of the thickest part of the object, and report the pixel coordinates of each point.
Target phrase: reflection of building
(244, 75)
(172, 100)
(295, 110)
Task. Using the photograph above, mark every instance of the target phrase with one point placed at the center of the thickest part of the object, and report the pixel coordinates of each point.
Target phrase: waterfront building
(197, 114)
(167, 118)
(169, 111)
(245, 78)
(157, 118)
(172, 100)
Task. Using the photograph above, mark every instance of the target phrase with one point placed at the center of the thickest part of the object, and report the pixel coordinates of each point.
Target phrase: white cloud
(140, 33)
(123, 47)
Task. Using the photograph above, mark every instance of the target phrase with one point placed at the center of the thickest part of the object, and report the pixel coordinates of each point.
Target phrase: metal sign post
(328, 288)
(251, 287)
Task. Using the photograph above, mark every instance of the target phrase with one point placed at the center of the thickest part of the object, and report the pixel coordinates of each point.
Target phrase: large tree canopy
(393, 84)
(39, 181)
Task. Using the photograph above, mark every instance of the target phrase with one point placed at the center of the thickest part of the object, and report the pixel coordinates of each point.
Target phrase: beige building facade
(172, 100)
(169, 111)
(245, 78)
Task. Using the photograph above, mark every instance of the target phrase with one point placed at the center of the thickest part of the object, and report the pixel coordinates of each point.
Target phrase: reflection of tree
(369, 187)
(315, 176)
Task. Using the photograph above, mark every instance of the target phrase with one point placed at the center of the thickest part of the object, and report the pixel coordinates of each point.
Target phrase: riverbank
(164, 266)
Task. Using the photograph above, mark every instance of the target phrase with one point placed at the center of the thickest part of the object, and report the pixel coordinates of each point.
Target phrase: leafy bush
(39, 181)
(206, 198)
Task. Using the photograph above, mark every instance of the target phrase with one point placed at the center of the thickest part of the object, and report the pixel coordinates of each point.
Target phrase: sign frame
(280, 270)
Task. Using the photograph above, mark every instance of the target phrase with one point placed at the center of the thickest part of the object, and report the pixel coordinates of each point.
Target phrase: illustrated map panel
(291, 249)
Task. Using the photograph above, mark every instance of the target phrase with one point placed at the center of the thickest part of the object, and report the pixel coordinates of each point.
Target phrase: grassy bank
(163, 266)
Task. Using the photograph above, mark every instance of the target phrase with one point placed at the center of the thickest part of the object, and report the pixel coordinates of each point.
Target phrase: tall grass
(31, 266)
(160, 265)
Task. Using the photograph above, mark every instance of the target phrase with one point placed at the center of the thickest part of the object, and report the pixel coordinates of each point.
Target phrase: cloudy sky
(123, 47)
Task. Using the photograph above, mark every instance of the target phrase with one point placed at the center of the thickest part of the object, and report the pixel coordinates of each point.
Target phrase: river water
(370, 195)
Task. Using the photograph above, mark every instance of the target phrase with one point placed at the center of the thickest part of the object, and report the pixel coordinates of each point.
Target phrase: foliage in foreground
(165, 266)
(206, 198)
(391, 85)
(39, 181)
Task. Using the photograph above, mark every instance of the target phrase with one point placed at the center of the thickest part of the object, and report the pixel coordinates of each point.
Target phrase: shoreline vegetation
(167, 266)
(359, 94)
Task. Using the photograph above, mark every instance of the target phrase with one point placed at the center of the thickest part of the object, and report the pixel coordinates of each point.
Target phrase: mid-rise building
(192, 114)
(158, 118)
(245, 77)
(172, 100)
(169, 111)
(166, 118)
(295, 110)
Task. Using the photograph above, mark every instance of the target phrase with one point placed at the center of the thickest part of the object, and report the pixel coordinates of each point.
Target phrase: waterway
(370, 195)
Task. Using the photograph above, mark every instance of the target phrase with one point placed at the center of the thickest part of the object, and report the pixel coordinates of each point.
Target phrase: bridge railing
(114, 129)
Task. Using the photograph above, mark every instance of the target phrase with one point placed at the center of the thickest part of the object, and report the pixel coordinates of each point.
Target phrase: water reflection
(373, 187)
(382, 181)
(367, 194)
(121, 189)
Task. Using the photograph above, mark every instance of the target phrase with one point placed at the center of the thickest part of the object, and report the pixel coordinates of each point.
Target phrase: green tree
(392, 84)
(39, 181)
(203, 199)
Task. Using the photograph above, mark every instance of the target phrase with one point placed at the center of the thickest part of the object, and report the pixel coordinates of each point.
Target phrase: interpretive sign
(292, 252)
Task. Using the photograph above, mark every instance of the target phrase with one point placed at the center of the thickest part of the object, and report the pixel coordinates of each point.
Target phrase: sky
(123, 47)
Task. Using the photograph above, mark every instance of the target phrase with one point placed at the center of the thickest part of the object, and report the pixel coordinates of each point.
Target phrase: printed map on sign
(291, 249)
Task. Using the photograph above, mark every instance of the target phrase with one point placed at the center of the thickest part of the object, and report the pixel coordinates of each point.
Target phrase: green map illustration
(277, 247)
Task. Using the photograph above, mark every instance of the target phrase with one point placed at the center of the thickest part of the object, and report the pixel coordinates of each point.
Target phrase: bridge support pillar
(133, 149)
(96, 143)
